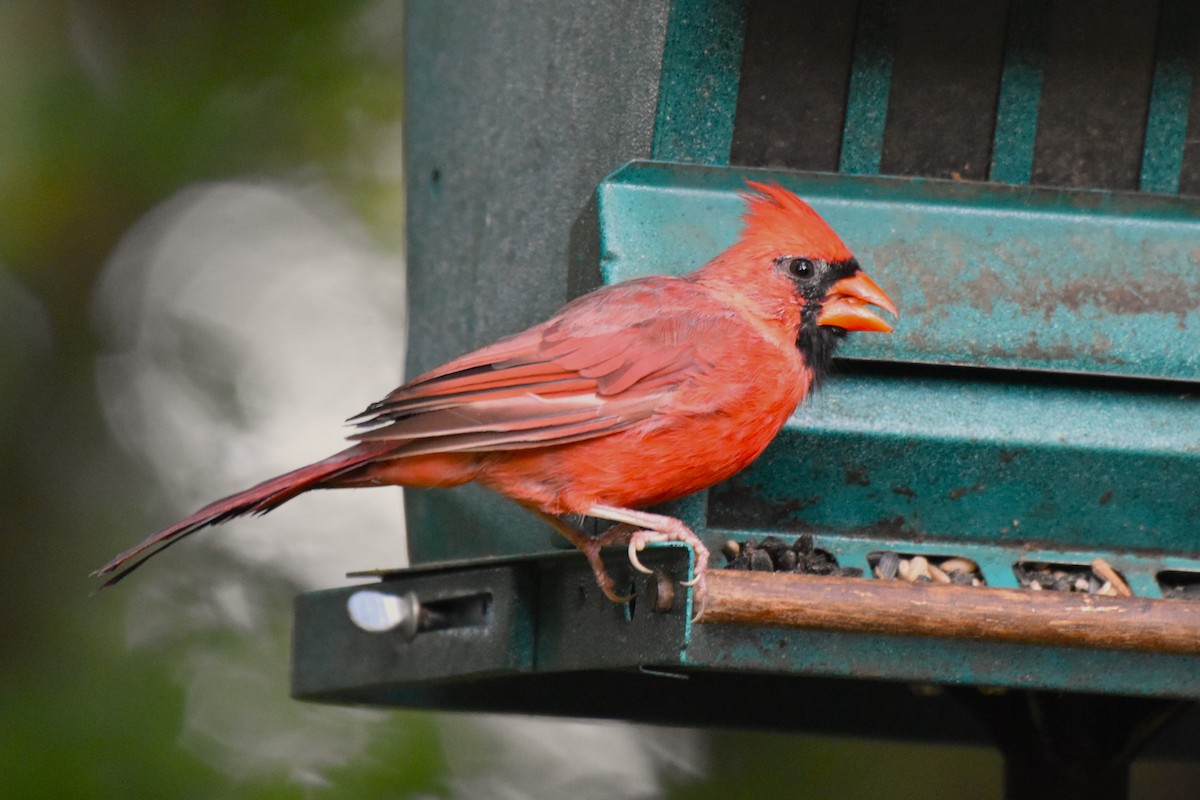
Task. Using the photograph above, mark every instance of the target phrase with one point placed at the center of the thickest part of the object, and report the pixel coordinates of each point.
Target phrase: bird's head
(788, 255)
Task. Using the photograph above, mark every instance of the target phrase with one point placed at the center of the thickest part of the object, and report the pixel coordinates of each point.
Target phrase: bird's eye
(801, 268)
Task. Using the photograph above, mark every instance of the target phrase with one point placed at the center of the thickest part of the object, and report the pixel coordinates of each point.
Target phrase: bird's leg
(641, 528)
(590, 547)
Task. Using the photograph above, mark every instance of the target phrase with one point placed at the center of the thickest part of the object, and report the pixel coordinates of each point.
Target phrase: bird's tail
(256, 500)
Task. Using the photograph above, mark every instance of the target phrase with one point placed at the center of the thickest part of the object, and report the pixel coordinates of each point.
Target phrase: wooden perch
(897, 608)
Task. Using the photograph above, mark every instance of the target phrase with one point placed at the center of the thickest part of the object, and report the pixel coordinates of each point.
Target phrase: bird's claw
(699, 594)
(611, 594)
(603, 579)
(629, 532)
(638, 541)
(637, 544)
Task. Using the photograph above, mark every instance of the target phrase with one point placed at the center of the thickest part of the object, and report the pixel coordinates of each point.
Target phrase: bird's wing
(603, 364)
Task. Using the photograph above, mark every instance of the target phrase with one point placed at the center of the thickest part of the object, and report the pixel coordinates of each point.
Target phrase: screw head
(379, 612)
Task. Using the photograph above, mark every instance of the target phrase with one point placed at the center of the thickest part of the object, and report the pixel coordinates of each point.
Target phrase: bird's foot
(591, 550)
(590, 547)
(640, 528)
(639, 539)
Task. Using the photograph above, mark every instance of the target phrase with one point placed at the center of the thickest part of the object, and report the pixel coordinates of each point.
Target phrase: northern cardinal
(633, 395)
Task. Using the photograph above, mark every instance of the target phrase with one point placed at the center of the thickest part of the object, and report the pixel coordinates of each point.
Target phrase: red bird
(633, 395)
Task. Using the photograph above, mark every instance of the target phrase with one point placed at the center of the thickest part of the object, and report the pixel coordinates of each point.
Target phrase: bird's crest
(781, 222)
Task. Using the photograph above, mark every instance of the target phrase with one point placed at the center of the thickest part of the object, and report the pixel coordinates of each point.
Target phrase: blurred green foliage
(107, 107)
(110, 105)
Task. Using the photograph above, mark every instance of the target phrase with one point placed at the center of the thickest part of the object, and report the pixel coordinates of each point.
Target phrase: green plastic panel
(984, 275)
(870, 85)
(698, 88)
(894, 455)
(1020, 92)
(1170, 96)
(992, 461)
(328, 643)
(512, 118)
(559, 626)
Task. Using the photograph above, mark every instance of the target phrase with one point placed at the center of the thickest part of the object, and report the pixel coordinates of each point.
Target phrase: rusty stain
(856, 477)
(987, 287)
(1153, 288)
(735, 506)
(1140, 296)
(1103, 344)
(886, 528)
(1007, 456)
(892, 527)
(919, 340)
(899, 258)
(792, 507)
(1033, 350)
(1150, 292)
(1088, 201)
(958, 492)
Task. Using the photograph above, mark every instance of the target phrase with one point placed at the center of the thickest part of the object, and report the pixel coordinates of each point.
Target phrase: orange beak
(848, 305)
